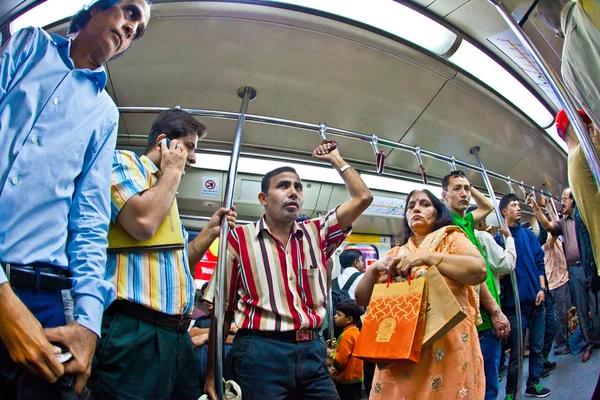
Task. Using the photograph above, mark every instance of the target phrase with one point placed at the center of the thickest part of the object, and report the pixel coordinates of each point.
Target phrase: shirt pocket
(313, 287)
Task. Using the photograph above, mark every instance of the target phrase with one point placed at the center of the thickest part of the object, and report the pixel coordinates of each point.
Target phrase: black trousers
(349, 391)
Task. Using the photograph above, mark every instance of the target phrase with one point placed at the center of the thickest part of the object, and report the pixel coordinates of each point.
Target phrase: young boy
(350, 369)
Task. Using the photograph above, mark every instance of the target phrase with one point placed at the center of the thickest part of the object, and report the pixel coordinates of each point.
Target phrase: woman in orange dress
(452, 368)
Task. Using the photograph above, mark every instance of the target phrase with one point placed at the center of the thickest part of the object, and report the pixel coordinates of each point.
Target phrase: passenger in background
(343, 287)
(558, 279)
(452, 367)
(578, 22)
(155, 287)
(349, 369)
(59, 128)
(501, 260)
(494, 326)
(557, 274)
(275, 285)
(579, 283)
(353, 268)
(532, 293)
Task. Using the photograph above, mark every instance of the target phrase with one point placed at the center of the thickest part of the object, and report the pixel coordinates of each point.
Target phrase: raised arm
(484, 206)
(360, 194)
(143, 213)
(550, 226)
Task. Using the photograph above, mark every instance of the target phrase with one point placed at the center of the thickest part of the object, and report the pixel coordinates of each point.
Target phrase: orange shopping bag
(394, 325)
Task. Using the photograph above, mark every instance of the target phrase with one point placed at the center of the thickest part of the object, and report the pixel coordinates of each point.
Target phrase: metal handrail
(329, 130)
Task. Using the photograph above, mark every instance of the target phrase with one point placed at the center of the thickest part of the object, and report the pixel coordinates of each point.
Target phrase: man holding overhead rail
(584, 299)
(276, 287)
(457, 192)
(59, 129)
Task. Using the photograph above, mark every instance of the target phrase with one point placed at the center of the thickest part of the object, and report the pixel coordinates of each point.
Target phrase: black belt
(303, 335)
(179, 323)
(575, 264)
(37, 276)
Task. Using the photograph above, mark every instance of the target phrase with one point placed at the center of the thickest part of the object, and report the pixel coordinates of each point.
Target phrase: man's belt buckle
(303, 335)
(183, 325)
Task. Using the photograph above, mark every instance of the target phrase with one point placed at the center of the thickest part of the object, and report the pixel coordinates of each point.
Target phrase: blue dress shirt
(59, 130)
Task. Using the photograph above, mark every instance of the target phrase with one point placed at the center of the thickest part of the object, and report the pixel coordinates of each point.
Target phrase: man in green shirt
(457, 193)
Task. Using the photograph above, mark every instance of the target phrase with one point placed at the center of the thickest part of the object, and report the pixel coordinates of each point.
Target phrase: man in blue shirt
(531, 284)
(59, 129)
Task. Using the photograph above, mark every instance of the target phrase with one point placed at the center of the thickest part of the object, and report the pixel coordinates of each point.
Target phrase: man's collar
(567, 215)
(150, 166)
(457, 215)
(64, 47)
(262, 225)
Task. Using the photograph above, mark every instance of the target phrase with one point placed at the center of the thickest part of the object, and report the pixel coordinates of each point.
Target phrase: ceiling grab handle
(452, 163)
(379, 155)
(510, 186)
(420, 161)
(522, 187)
(513, 277)
(322, 130)
(551, 198)
(246, 93)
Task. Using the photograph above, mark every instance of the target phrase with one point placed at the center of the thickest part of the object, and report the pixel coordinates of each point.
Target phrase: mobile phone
(63, 357)
(168, 142)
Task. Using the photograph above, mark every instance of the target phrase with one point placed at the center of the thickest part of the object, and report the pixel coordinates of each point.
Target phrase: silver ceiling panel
(445, 7)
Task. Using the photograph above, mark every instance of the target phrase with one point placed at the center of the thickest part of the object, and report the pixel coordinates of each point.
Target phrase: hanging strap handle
(421, 166)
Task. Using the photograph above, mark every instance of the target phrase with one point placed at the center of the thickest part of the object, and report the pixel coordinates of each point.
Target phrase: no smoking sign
(210, 186)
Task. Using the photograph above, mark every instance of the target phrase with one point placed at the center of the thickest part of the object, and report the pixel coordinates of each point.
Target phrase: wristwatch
(545, 290)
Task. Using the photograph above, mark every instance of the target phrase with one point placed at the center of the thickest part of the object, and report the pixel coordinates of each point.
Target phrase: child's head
(347, 313)
(331, 366)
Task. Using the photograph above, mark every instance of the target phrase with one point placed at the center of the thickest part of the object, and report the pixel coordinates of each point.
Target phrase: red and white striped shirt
(275, 287)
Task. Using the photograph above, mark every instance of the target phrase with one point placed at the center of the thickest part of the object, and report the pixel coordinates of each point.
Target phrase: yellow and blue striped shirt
(159, 280)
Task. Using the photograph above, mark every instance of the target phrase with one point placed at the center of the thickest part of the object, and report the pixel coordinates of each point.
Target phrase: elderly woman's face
(420, 213)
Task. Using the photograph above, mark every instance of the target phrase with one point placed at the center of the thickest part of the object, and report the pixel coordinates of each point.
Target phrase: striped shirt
(275, 287)
(159, 280)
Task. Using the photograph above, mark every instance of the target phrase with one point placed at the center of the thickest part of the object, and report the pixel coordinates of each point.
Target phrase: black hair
(175, 123)
(506, 200)
(453, 174)
(443, 216)
(266, 180)
(348, 257)
(571, 197)
(549, 12)
(526, 225)
(351, 309)
(83, 16)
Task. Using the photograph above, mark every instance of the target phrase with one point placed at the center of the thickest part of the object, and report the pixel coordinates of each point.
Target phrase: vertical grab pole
(557, 87)
(330, 322)
(246, 94)
(513, 277)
